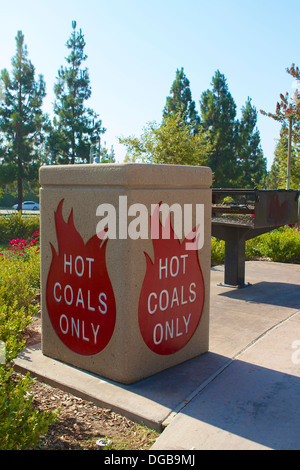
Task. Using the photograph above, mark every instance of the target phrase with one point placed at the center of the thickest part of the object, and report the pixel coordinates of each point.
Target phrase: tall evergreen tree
(1, 93)
(253, 166)
(218, 113)
(278, 172)
(21, 119)
(181, 101)
(106, 156)
(74, 125)
(277, 175)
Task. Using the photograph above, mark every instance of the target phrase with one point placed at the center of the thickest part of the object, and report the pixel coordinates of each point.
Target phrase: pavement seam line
(194, 394)
(265, 333)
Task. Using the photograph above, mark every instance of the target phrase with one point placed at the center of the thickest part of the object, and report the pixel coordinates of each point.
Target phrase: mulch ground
(81, 423)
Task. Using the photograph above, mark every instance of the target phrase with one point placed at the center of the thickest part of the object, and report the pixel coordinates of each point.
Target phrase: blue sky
(134, 48)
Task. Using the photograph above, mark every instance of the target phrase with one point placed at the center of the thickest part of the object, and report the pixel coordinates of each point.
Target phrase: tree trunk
(288, 176)
(20, 185)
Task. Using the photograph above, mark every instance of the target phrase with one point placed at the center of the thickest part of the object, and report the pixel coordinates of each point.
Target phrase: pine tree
(218, 113)
(22, 121)
(74, 125)
(278, 172)
(107, 157)
(181, 101)
(100, 154)
(252, 164)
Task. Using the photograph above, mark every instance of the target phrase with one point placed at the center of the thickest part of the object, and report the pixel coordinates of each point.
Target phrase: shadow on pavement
(253, 402)
(274, 293)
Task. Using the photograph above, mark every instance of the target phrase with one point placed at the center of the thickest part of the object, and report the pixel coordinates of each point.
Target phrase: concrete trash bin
(125, 266)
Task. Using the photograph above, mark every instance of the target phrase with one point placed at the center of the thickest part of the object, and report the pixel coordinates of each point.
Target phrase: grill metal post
(235, 257)
(235, 239)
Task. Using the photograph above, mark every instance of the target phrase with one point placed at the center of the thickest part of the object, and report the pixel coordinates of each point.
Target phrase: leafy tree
(169, 143)
(22, 122)
(252, 164)
(218, 113)
(181, 100)
(294, 72)
(288, 114)
(74, 125)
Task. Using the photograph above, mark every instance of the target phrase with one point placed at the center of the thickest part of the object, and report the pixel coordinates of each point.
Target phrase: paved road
(11, 211)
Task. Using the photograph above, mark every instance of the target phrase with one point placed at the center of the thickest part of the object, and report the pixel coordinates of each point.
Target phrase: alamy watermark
(296, 353)
(120, 227)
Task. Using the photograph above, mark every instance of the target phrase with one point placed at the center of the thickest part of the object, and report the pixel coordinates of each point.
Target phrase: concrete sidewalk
(243, 394)
(253, 402)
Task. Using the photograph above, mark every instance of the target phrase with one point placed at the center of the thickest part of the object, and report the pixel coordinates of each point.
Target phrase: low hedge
(280, 245)
(21, 426)
(15, 225)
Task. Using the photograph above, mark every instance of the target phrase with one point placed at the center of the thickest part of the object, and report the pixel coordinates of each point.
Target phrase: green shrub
(228, 200)
(19, 279)
(21, 426)
(13, 322)
(217, 251)
(252, 248)
(15, 225)
(7, 200)
(20, 271)
(281, 245)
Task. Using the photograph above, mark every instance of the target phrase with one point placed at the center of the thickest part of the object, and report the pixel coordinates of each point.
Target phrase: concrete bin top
(137, 175)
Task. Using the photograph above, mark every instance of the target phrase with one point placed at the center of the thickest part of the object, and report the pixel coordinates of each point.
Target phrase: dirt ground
(80, 423)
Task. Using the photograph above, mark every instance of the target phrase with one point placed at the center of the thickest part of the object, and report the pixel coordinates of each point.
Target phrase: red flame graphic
(79, 294)
(172, 295)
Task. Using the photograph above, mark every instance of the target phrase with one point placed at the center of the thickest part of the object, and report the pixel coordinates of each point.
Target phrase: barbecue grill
(241, 214)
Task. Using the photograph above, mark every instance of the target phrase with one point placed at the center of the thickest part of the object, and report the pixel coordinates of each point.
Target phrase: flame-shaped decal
(172, 294)
(79, 294)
